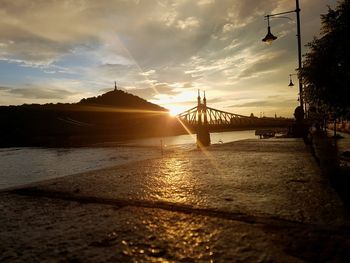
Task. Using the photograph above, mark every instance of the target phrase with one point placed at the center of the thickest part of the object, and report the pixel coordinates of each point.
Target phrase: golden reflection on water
(177, 180)
(176, 236)
(163, 236)
(178, 184)
(189, 239)
(204, 150)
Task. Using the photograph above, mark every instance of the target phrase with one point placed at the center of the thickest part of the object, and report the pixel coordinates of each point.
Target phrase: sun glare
(174, 110)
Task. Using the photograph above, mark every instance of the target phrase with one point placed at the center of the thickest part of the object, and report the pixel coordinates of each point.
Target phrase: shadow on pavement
(326, 153)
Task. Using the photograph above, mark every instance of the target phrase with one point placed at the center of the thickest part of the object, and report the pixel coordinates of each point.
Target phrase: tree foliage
(326, 67)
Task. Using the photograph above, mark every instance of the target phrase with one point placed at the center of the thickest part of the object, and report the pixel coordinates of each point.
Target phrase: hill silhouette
(121, 99)
(113, 116)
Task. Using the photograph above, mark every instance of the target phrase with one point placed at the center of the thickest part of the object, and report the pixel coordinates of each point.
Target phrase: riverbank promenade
(245, 201)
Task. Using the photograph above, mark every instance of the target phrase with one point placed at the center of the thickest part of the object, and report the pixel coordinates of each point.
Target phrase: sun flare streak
(203, 149)
(142, 72)
(91, 108)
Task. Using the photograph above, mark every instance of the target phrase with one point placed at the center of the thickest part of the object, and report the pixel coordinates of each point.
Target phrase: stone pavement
(246, 201)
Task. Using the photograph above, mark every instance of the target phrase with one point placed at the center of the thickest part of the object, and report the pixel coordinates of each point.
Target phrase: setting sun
(175, 110)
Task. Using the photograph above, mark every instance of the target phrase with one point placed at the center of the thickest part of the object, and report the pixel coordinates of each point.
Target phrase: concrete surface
(247, 201)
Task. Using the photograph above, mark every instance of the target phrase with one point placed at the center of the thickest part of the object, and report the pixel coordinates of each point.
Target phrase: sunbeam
(203, 149)
(131, 57)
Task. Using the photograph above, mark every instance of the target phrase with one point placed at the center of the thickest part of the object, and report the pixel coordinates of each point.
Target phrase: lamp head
(269, 37)
(291, 84)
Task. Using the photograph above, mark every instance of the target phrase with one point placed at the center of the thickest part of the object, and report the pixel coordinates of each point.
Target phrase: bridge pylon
(203, 135)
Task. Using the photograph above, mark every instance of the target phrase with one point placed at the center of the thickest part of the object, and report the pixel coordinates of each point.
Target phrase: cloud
(265, 63)
(45, 31)
(187, 85)
(40, 93)
(188, 23)
(148, 93)
(268, 102)
(2, 88)
(205, 2)
(148, 73)
(228, 28)
(36, 33)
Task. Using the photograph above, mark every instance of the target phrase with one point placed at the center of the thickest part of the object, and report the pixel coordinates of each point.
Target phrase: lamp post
(270, 37)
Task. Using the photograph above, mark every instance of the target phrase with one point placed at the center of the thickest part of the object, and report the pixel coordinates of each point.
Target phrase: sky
(161, 50)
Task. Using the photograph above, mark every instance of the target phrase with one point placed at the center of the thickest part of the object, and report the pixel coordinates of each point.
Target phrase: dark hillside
(121, 99)
(113, 116)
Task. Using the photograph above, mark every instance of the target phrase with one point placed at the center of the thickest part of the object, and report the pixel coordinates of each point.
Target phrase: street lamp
(291, 84)
(270, 37)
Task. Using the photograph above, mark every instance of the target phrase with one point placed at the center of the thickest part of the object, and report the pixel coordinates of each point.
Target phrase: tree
(326, 67)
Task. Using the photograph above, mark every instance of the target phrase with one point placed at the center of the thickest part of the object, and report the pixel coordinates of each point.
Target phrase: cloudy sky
(160, 50)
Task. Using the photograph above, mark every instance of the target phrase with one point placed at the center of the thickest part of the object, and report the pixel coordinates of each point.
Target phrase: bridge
(203, 119)
(204, 115)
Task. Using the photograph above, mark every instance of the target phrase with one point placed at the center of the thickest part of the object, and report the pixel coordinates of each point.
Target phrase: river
(20, 166)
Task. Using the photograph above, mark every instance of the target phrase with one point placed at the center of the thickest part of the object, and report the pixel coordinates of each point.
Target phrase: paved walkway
(247, 201)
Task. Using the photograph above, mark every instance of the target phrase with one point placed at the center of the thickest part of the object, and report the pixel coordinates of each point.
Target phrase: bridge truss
(205, 115)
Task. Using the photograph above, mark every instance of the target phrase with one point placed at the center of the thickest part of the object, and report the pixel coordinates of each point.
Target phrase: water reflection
(189, 239)
(176, 183)
(27, 165)
(19, 166)
(190, 139)
(174, 237)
